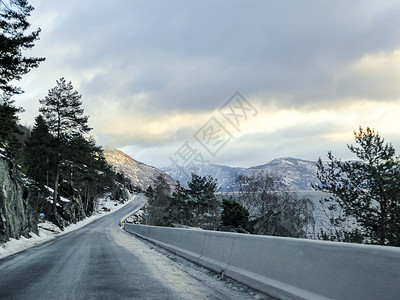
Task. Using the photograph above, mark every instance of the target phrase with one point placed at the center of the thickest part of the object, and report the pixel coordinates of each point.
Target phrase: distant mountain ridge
(140, 174)
(225, 175)
(296, 174)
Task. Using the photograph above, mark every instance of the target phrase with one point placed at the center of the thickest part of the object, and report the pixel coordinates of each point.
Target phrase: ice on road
(101, 261)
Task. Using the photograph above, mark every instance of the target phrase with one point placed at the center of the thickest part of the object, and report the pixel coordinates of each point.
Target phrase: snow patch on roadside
(194, 279)
(48, 230)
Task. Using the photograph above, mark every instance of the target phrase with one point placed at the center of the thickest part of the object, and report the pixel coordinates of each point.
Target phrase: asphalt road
(101, 261)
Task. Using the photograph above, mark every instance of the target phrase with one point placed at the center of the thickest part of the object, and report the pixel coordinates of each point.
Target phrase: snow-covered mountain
(296, 174)
(226, 176)
(140, 174)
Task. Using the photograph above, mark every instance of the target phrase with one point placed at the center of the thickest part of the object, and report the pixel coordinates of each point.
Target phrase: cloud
(152, 72)
(372, 77)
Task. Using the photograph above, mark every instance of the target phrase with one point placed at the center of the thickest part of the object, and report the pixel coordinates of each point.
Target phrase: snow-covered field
(48, 230)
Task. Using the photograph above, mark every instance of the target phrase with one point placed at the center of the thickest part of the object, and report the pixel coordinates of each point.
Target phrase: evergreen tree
(203, 200)
(202, 189)
(149, 192)
(39, 153)
(234, 214)
(9, 122)
(13, 24)
(88, 170)
(366, 189)
(158, 203)
(61, 109)
(179, 211)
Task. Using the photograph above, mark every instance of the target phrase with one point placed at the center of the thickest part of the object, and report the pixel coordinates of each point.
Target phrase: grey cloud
(296, 141)
(191, 56)
(184, 49)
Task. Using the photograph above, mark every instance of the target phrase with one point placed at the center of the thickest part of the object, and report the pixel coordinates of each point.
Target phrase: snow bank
(48, 230)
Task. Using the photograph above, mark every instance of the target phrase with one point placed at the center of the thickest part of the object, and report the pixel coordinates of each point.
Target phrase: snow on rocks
(48, 230)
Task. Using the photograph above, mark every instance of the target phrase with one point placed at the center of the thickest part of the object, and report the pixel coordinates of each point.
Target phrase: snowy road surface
(101, 261)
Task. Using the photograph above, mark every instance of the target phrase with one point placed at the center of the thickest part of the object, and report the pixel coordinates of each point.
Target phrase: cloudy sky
(157, 77)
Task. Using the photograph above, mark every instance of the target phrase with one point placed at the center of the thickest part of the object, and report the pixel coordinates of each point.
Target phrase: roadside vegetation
(56, 166)
(362, 206)
(365, 202)
(259, 207)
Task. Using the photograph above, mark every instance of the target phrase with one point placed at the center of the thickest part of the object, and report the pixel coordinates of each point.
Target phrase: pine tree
(367, 189)
(62, 111)
(13, 24)
(179, 211)
(9, 122)
(234, 214)
(89, 172)
(203, 200)
(39, 153)
(159, 203)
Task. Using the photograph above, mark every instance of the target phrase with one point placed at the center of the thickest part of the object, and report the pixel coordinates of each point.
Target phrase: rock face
(17, 217)
(72, 211)
(141, 175)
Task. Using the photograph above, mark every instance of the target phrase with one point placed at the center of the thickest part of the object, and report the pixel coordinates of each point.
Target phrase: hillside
(297, 174)
(225, 175)
(140, 174)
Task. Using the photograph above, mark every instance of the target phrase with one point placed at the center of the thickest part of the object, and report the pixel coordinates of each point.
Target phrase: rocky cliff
(17, 217)
(140, 174)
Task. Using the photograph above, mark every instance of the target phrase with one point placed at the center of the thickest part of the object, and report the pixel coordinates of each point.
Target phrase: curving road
(101, 261)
